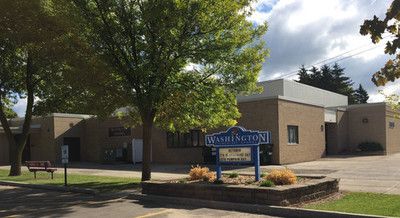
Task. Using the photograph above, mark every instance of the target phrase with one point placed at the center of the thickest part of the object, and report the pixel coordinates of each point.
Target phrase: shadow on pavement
(38, 203)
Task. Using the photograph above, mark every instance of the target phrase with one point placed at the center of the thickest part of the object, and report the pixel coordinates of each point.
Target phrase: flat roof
(66, 115)
(297, 92)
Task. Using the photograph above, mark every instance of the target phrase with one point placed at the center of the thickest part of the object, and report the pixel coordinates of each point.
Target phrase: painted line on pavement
(154, 214)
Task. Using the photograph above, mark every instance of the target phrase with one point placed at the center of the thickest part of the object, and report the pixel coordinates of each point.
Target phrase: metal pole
(65, 174)
(218, 165)
(256, 154)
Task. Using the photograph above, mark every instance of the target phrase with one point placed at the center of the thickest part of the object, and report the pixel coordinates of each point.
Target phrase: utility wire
(338, 56)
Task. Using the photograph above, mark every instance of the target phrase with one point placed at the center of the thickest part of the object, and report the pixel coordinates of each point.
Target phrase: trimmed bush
(282, 177)
(210, 177)
(267, 183)
(198, 172)
(201, 173)
(233, 175)
(370, 146)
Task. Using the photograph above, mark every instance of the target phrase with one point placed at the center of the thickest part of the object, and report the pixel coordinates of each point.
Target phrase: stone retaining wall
(279, 195)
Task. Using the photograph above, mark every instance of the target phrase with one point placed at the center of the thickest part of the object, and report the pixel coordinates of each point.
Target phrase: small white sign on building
(64, 154)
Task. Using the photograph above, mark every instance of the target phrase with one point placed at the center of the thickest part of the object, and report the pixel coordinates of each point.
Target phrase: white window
(293, 134)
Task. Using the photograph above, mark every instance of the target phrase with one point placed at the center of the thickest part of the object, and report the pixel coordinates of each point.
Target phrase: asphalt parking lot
(23, 202)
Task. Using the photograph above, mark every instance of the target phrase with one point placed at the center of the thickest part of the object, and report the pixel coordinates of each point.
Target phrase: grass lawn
(101, 183)
(365, 203)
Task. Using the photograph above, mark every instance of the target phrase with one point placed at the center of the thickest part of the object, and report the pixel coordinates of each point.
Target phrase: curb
(248, 208)
(51, 187)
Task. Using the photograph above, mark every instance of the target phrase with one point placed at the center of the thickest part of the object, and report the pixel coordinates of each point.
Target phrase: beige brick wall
(337, 134)
(42, 142)
(392, 134)
(262, 115)
(97, 139)
(67, 127)
(372, 131)
(309, 120)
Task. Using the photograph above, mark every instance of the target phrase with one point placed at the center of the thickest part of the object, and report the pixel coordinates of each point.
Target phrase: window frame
(296, 134)
(191, 139)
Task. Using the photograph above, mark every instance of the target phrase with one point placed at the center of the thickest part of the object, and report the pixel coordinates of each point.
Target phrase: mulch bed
(244, 180)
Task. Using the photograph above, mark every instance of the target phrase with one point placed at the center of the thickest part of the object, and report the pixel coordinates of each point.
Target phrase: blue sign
(238, 146)
(238, 136)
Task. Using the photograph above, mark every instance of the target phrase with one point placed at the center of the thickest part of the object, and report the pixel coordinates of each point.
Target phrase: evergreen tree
(328, 78)
(303, 75)
(361, 95)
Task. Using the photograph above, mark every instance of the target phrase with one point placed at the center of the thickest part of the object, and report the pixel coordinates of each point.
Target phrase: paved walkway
(366, 173)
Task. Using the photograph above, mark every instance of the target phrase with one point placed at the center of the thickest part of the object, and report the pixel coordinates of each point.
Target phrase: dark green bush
(233, 175)
(218, 181)
(370, 146)
(267, 183)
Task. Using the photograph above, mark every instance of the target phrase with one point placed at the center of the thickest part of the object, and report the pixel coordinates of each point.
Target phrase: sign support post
(65, 175)
(219, 168)
(256, 153)
(238, 146)
(64, 160)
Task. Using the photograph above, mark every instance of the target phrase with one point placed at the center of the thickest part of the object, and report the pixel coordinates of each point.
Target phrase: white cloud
(388, 89)
(314, 11)
(20, 107)
(308, 31)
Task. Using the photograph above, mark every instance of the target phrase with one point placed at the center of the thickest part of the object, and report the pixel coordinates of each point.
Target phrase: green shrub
(182, 181)
(218, 181)
(267, 183)
(262, 175)
(233, 175)
(370, 146)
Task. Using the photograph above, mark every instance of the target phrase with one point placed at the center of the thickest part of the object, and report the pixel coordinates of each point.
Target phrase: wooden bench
(44, 166)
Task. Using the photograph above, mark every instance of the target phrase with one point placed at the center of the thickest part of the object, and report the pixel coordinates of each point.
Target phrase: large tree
(179, 63)
(36, 39)
(328, 78)
(376, 27)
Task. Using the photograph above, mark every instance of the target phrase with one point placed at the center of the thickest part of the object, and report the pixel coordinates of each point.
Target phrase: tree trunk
(16, 159)
(147, 147)
(19, 144)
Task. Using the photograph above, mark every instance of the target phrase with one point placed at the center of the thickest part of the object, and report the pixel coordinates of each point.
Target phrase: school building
(306, 123)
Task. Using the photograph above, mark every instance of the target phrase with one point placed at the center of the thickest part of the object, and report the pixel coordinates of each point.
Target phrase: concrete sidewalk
(379, 174)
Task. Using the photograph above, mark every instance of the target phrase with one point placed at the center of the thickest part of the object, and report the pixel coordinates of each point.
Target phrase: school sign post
(238, 146)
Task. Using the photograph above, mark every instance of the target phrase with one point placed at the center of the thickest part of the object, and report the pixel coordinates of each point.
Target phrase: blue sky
(308, 31)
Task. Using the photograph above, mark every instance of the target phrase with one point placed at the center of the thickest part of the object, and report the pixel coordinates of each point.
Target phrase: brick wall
(310, 122)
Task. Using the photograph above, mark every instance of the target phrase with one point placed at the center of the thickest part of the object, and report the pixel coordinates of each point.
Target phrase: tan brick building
(306, 124)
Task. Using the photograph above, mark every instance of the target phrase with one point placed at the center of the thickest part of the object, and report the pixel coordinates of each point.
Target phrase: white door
(137, 150)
